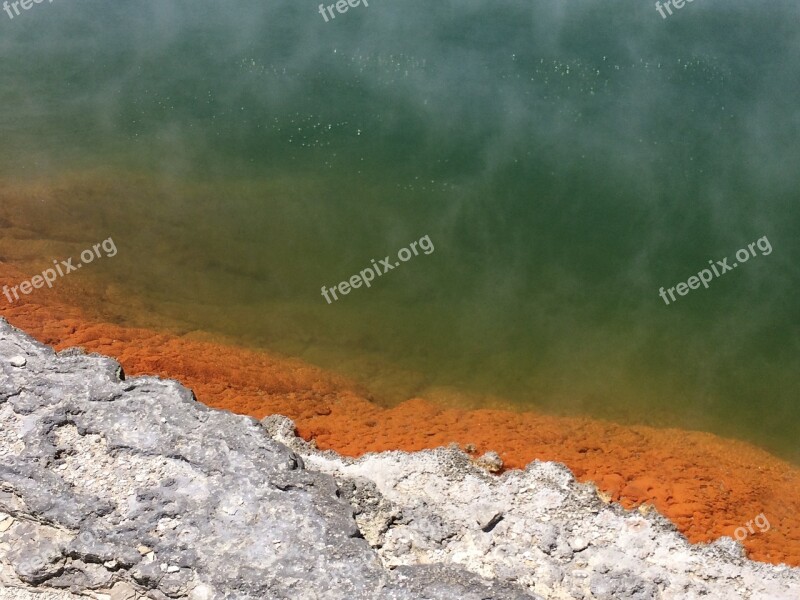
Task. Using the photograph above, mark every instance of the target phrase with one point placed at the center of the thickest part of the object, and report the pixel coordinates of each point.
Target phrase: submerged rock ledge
(120, 489)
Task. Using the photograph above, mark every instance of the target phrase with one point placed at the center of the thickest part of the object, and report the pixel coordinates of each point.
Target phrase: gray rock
(36, 560)
(133, 487)
(556, 538)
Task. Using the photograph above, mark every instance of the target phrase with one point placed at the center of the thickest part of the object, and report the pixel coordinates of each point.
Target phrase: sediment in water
(125, 487)
(706, 485)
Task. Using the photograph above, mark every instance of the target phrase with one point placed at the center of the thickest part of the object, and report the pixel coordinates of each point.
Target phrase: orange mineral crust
(708, 486)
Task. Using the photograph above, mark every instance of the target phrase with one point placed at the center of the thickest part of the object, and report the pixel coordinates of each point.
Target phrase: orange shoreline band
(708, 486)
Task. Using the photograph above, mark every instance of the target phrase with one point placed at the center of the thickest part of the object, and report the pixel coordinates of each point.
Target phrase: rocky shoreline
(707, 485)
(116, 488)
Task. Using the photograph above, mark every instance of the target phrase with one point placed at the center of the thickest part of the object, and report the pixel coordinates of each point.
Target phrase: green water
(566, 162)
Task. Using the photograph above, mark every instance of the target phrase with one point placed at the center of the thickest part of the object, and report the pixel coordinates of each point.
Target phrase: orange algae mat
(708, 486)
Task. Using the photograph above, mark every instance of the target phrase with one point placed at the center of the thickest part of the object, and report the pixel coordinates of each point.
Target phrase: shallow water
(566, 163)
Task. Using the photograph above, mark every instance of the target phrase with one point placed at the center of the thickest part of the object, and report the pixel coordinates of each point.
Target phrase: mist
(567, 160)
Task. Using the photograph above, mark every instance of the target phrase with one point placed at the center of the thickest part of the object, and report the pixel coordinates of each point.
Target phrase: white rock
(577, 544)
(18, 361)
(490, 461)
(201, 592)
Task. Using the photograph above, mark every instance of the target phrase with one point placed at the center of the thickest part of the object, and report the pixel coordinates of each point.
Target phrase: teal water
(566, 161)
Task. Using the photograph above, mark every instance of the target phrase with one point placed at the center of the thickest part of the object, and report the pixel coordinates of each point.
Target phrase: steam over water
(567, 161)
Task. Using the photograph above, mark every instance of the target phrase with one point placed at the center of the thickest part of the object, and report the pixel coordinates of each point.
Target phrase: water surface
(565, 161)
